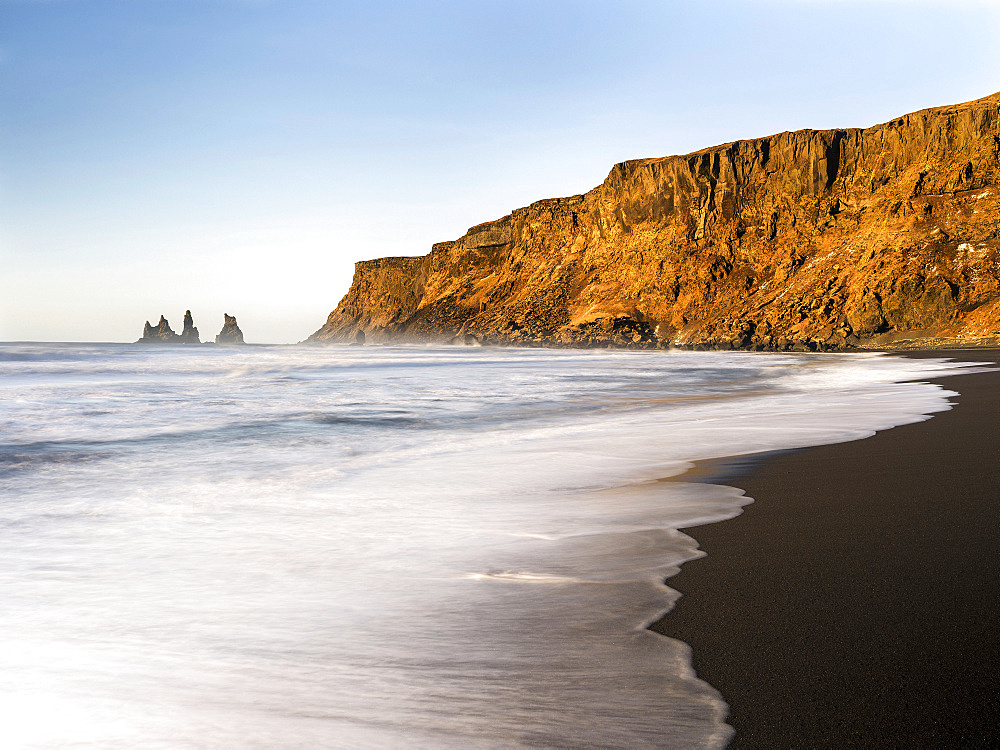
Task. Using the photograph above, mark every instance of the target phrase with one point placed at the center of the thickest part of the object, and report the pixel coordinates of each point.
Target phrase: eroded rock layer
(801, 240)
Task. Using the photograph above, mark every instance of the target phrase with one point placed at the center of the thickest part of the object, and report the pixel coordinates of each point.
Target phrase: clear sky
(239, 155)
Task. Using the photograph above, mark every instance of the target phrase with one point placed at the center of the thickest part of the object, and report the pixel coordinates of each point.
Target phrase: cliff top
(947, 109)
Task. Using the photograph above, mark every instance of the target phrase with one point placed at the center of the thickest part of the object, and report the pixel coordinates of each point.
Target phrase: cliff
(803, 240)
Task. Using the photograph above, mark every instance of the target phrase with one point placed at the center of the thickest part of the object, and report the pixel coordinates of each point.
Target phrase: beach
(855, 602)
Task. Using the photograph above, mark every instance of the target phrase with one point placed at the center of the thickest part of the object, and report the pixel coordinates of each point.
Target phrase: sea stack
(190, 334)
(161, 334)
(164, 334)
(230, 333)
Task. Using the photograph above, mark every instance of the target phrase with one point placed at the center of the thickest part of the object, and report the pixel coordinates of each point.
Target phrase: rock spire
(190, 334)
(161, 334)
(230, 333)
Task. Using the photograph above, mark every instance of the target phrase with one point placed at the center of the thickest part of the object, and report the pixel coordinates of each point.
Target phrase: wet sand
(856, 602)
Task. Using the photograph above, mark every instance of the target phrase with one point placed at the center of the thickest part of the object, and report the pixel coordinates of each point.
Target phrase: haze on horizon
(240, 155)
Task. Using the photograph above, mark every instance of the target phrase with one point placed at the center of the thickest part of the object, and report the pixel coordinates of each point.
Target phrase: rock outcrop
(190, 334)
(230, 333)
(802, 240)
(164, 334)
(161, 334)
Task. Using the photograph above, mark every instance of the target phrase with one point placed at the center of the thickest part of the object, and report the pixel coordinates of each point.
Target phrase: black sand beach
(856, 602)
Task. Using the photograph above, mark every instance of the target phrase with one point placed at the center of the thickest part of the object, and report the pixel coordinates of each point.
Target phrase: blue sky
(239, 155)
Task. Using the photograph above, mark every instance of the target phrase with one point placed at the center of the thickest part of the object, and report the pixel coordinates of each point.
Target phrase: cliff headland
(806, 240)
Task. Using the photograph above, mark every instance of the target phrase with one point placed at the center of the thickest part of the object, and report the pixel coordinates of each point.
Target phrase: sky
(240, 155)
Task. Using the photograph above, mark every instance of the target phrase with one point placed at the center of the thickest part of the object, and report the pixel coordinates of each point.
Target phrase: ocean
(381, 547)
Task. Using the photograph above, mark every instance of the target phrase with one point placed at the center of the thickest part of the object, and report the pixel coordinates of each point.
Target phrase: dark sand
(856, 603)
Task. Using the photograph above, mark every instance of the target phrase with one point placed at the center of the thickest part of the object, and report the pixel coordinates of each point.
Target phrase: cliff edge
(811, 239)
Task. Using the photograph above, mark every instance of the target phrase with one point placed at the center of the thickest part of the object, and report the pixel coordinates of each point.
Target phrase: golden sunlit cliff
(816, 240)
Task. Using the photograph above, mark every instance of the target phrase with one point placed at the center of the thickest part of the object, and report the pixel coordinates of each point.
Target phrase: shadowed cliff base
(856, 602)
(808, 240)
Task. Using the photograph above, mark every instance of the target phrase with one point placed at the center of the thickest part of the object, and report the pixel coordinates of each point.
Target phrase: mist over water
(379, 547)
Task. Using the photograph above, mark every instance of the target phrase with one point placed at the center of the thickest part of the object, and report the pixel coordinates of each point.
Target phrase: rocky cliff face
(802, 240)
(230, 333)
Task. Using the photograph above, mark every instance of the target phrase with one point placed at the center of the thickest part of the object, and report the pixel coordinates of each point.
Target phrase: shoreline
(856, 601)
